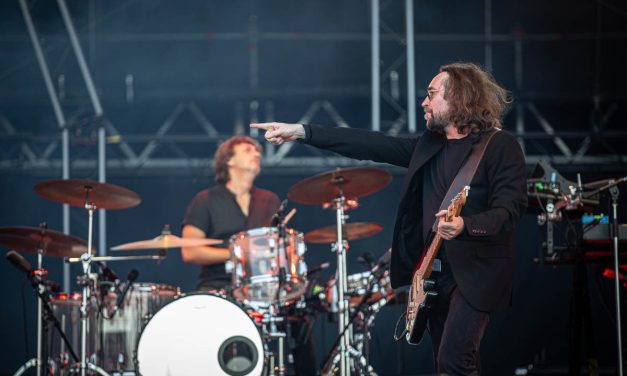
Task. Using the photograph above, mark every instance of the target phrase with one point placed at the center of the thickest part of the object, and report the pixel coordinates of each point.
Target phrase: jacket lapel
(426, 147)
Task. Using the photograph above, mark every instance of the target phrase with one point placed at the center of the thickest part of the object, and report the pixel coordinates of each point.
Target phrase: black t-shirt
(216, 212)
(438, 176)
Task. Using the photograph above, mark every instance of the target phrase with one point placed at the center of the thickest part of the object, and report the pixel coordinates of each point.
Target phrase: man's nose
(425, 102)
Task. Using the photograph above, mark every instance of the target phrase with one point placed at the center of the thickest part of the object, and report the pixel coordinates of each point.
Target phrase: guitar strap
(467, 171)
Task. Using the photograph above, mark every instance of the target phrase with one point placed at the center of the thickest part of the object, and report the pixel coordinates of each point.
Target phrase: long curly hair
(225, 152)
(477, 102)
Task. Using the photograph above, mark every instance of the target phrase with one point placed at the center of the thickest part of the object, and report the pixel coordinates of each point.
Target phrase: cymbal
(352, 231)
(352, 182)
(75, 191)
(165, 241)
(53, 243)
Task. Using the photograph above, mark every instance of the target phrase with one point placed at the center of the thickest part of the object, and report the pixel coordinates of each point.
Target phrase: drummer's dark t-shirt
(216, 212)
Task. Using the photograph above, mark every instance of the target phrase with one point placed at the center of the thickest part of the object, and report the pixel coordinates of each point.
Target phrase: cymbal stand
(43, 304)
(614, 193)
(366, 315)
(86, 259)
(37, 362)
(343, 307)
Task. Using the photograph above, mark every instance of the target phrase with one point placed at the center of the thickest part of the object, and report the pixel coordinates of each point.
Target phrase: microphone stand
(278, 221)
(44, 301)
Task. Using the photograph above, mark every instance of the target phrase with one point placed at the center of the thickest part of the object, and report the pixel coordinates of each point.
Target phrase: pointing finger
(264, 126)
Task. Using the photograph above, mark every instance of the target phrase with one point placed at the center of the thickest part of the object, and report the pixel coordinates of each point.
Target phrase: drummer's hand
(449, 230)
(278, 133)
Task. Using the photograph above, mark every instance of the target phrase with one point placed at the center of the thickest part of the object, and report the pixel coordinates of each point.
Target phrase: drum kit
(140, 328)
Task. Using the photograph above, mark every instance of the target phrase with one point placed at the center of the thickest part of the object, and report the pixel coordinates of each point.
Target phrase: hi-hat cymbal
(33, 239)
(76, 191)
(352, 231)
(351, 182)
(164, 242)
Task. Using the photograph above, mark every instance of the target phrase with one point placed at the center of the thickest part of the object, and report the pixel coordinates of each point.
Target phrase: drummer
(233, 205)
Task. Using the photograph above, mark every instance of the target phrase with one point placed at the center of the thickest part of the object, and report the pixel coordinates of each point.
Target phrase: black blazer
(482, 256)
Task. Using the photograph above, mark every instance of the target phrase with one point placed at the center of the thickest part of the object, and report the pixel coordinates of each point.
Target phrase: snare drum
(257, 262)
(201, 333)
(67, 309)
(120, 330)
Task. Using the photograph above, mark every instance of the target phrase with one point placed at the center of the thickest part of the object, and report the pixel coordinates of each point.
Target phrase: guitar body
(422, 292)
(423, 297)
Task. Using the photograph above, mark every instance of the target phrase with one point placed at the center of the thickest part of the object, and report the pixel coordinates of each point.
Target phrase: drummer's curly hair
(477, 102)
(225, 152)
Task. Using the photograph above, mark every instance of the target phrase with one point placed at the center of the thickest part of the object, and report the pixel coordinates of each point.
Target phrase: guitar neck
(427, 262)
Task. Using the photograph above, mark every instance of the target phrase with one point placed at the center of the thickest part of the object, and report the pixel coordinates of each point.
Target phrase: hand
(449, 230)
(278, 133)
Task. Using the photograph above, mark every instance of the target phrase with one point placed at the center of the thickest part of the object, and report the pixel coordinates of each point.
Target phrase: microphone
(108, 274)
(130, 278)
(25, 267)
(318, 268)
(19, 262)
(276, 217)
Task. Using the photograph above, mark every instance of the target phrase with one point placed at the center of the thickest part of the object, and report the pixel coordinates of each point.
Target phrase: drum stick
(289, 216)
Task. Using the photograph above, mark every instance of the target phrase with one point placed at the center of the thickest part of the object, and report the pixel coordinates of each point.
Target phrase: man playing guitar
(463, 105)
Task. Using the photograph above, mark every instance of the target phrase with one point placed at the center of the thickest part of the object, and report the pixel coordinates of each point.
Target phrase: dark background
(223, 57)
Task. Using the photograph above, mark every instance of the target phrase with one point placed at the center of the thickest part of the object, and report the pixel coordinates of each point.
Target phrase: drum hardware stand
(614, 193)
(86, 280)
(38, 361)
(37, 278)
(340, 248)
(360, 360)
(278, 220)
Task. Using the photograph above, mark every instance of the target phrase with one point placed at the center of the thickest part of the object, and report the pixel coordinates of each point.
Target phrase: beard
(438, 123)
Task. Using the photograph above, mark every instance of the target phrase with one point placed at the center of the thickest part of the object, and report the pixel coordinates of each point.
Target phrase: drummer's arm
(203, 255)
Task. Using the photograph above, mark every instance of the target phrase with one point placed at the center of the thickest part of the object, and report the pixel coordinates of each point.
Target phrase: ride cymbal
(33, 239)
(351, 182)
(76, 192)
(352, 231)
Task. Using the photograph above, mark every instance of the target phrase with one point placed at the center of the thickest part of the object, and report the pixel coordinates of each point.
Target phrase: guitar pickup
(437, 265)
(428, 285)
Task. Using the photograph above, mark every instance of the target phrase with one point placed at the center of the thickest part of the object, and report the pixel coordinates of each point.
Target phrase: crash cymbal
(32, 239)
(75, 191)
(352, 231)
(165, 241)
(352, 182)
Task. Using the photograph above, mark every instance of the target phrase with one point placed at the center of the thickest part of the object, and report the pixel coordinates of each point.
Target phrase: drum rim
(141, 286)
(263, 231)
(240, 305)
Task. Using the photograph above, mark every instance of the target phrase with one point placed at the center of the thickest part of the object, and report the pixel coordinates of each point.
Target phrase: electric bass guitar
(422, 291)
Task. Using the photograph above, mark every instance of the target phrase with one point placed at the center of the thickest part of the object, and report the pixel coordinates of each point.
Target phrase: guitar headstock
(458, 202)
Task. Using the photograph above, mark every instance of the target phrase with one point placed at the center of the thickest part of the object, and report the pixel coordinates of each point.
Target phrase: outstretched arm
(351, 142)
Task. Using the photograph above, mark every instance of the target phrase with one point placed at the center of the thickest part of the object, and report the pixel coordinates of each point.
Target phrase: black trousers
(456, 329)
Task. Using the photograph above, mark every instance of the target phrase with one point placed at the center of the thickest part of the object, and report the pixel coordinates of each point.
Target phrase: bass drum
(200, 334)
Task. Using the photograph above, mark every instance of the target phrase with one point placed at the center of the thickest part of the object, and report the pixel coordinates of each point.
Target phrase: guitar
(422, 290)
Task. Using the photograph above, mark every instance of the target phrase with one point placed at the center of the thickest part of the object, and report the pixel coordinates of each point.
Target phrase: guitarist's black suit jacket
(482, 256)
